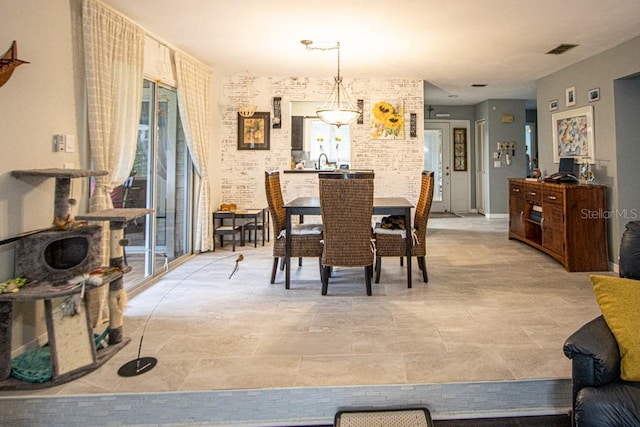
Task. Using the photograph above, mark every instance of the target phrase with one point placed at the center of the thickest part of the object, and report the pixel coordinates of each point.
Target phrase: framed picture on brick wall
(253, 132)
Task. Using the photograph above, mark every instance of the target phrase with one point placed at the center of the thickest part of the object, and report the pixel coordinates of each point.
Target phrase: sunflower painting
(387, 120)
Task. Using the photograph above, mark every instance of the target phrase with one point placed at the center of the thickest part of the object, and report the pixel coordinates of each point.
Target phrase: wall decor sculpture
(9, 62)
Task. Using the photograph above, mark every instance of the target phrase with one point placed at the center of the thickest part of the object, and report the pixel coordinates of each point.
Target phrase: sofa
(602, 394)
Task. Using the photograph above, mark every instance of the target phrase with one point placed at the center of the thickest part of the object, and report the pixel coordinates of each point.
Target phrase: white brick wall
(397, 163)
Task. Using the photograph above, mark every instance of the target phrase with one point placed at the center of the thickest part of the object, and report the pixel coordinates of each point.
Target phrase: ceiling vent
(560, 49)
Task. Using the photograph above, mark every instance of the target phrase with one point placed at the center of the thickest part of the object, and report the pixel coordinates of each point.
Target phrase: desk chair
(305, 238)
(346, 205)
(392, 243)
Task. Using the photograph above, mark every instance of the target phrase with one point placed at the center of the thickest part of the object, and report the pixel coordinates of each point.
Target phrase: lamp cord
(144, 329)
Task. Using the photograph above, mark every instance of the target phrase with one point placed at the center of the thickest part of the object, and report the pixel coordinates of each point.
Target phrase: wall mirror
(316, 144)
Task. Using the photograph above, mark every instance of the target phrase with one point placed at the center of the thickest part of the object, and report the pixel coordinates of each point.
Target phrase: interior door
(437, 158)
(482, 148)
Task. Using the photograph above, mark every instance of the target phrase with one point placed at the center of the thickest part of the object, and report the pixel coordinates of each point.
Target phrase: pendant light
(339, 109)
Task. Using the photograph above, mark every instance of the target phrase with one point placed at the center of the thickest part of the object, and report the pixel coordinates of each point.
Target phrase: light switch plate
(70, 146)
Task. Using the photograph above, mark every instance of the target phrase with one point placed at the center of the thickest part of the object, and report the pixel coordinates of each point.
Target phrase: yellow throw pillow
(619, 301)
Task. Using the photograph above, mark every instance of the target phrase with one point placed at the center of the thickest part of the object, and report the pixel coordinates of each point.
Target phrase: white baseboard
(497, 216)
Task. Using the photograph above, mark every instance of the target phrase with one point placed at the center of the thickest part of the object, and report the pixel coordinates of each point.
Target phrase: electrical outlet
(59, 143)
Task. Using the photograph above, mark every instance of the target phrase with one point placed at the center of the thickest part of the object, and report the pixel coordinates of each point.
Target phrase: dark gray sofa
(600, 397)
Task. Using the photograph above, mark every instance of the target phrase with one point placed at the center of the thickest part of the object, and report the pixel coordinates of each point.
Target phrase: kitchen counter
(308, 170)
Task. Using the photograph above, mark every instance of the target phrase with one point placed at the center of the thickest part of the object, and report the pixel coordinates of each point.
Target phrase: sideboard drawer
(553, 196)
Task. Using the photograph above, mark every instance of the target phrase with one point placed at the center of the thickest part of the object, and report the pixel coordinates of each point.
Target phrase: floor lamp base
(137, 367)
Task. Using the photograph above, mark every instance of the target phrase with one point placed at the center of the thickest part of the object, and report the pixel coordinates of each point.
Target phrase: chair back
(275, 201)
(423, 207)
(629, 262)
(346, 205)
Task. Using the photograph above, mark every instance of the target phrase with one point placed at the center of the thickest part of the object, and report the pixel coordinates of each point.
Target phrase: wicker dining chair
(346, 205)
(391, 243)
(305, 238)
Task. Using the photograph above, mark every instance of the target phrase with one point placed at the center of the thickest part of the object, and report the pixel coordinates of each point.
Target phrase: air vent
(560, 49)
(479, 85)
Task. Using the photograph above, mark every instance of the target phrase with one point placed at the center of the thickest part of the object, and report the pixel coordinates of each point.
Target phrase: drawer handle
(531, 193)
(552, 198)
(516, 190)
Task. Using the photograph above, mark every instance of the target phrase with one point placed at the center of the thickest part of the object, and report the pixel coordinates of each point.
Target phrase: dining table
(381, 206)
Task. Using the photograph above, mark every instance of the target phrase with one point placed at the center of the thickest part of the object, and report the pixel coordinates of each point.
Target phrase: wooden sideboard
(565, 221)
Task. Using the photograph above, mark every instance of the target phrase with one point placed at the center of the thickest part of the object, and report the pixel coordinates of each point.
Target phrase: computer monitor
(566, 165)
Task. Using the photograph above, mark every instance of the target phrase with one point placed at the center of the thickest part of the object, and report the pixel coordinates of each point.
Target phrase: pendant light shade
(339, 109)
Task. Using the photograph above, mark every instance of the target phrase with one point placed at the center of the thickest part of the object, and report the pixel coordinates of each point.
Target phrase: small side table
(258, 221)
(225, 230)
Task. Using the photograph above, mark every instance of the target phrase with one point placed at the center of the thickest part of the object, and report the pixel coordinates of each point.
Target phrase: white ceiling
(449, 44)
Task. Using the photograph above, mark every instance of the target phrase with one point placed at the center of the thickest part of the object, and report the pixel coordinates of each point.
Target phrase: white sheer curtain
(192, 81)
(113, 48)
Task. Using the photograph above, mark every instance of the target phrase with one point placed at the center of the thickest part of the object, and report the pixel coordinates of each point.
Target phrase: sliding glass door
(161, 179)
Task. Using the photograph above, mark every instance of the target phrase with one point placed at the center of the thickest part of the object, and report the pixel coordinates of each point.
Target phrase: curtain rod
(151, 35)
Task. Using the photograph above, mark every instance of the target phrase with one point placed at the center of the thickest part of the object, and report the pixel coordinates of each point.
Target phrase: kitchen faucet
(326, 160)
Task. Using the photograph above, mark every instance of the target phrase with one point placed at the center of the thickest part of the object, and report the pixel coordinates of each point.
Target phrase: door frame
(443, 205)
(482, 165)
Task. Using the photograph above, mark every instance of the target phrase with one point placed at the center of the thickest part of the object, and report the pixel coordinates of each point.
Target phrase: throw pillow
(619, 301)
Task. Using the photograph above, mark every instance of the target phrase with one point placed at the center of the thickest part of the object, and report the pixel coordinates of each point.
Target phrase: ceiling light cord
(338, 78)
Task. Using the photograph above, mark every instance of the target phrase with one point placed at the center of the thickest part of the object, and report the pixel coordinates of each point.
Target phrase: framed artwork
(553, 105)
(573, 134)
(387, 120)
(570, 96)
(277, 112)
(594, 94)
(413, 125)
(459, 149)
(253, 132)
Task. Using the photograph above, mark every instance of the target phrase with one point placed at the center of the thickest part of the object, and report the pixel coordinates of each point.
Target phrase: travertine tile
(243, 372)
(493, 309)
(361, 369)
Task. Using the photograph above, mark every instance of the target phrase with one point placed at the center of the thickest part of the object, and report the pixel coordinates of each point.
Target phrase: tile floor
(493, 310)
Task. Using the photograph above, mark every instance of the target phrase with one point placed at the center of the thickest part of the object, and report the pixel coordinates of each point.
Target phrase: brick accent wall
(397, 163)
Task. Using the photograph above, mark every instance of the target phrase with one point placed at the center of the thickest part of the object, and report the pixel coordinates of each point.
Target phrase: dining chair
(346, 205)
(391, 243)
(305, 238)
